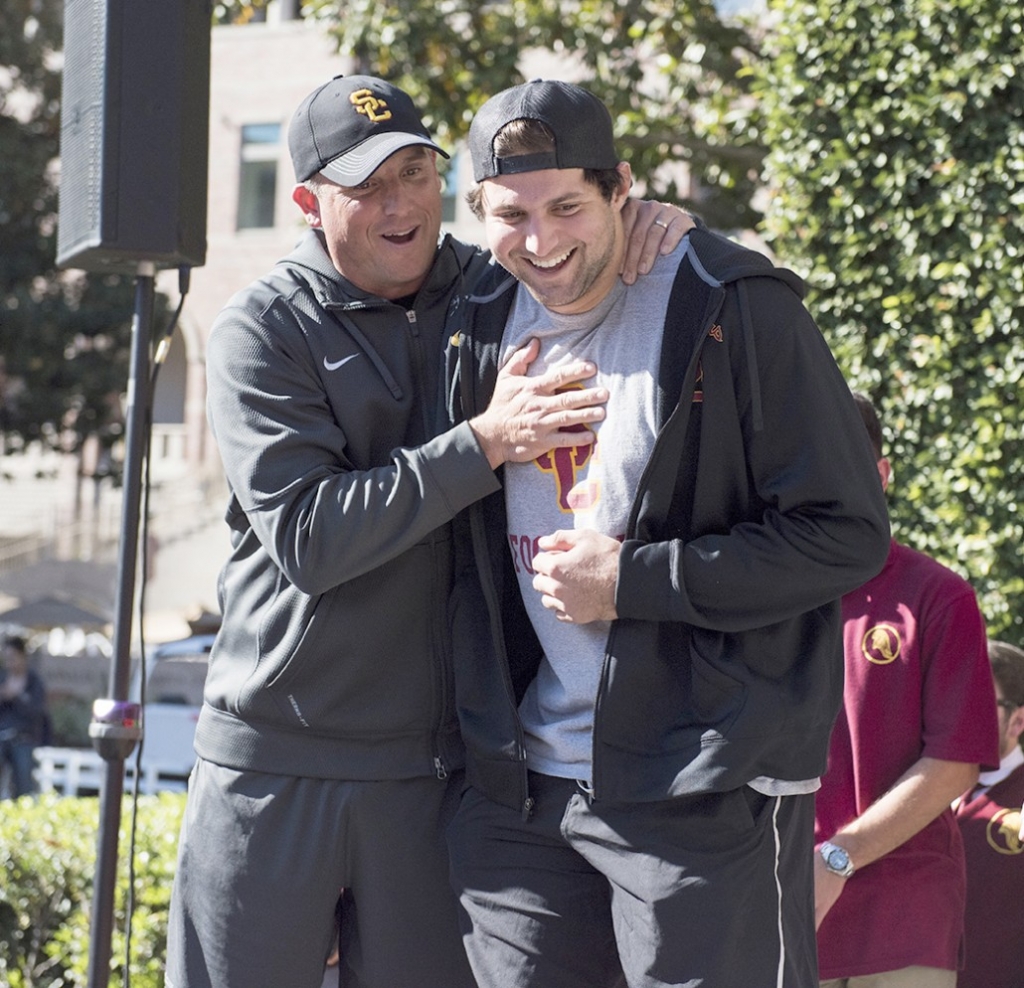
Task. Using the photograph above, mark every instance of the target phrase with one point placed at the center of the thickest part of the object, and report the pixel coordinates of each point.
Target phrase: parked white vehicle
(175, 675)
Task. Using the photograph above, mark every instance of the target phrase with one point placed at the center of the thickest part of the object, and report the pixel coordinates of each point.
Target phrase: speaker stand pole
(115, 726)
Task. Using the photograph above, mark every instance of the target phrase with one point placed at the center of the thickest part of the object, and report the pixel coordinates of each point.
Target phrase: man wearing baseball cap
(329, 754)
(646, 720)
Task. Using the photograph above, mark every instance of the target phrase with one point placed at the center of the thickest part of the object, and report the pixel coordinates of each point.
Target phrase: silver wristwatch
(836, 859)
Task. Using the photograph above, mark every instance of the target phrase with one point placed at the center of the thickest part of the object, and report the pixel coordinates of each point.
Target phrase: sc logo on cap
(370, 106)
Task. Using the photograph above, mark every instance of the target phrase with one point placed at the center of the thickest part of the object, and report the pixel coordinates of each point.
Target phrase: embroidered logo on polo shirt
(1003, 832)
(370, 106)
(881, 644)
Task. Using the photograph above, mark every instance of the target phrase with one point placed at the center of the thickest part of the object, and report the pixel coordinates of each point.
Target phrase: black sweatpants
(713, 890)
(262, 861)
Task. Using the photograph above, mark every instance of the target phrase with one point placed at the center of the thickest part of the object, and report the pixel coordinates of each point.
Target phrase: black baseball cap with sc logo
(347, 127)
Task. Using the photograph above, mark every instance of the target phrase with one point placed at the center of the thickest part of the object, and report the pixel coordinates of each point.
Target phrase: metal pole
(115, 726)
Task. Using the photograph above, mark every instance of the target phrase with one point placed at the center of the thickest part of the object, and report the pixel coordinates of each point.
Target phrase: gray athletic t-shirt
(582, 487)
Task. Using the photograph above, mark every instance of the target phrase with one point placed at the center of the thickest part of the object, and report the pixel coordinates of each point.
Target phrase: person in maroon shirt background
(989, 819)
(918, 718)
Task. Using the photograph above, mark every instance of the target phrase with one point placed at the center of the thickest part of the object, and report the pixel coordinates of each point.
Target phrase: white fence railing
(79, 772)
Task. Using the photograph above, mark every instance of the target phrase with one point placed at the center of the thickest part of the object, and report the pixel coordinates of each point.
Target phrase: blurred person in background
(23, 715)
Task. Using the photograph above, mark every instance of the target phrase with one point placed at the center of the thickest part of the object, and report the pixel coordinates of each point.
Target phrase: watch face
(837, 859)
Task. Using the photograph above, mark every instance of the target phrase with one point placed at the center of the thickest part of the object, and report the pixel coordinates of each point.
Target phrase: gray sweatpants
(262, 860)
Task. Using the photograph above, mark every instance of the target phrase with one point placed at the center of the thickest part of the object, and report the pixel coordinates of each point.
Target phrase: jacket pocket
(367, 659)
(716, 696)
(668, 689)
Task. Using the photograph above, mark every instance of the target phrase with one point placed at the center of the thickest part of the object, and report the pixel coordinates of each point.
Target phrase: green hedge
(47, 860)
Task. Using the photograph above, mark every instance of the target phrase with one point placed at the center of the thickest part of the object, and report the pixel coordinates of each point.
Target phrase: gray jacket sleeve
(285, 454)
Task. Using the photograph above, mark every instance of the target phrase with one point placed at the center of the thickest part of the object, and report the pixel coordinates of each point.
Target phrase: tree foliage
(669, 72)
(897, 175)
(47, 859)
(64, 337)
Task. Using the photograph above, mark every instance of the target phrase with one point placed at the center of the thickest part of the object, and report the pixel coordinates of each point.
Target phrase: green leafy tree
(47, 859)
(64, 336)
(896, 173)
(669, 72)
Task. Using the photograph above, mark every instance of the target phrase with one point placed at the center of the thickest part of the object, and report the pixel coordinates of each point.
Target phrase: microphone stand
(116, 727)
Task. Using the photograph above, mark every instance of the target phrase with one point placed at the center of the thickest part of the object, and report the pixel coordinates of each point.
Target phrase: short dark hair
(16, 642)
(869, 416)
(533, 137)
(1008, 670)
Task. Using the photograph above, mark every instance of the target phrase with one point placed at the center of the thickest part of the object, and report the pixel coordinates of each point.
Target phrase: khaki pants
(907, 977)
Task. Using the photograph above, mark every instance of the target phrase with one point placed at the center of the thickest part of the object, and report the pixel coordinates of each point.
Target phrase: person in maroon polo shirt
(989, 819)
(918, 718)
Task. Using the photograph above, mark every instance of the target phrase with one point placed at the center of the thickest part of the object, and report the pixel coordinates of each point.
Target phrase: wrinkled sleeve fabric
(322, 521)
(959, 702)
(823, 529)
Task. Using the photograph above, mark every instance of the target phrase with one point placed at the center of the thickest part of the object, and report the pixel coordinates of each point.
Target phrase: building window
(257, 186)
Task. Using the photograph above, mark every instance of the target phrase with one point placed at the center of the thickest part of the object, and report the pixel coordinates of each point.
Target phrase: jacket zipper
(440, 637)
(494, 609)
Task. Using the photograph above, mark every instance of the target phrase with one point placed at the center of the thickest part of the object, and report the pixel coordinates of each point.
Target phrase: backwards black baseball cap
(579, 121)
(347, 127)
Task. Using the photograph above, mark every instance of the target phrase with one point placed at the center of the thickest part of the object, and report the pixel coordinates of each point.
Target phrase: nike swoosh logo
(334, 365)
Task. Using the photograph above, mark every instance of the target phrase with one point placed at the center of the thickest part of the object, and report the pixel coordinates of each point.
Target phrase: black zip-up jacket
(333, 659)
(759, 508)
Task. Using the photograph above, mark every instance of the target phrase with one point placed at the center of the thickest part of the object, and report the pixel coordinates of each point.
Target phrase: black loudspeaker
(134, 136)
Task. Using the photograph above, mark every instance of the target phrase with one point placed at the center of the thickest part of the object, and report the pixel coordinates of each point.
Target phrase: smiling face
(381, 235)
(557, 234)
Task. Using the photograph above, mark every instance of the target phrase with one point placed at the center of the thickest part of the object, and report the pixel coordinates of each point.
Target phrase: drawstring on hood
(741, 265)
(748, 343)
(367, 347)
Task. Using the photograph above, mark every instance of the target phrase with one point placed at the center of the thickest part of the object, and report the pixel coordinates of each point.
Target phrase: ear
(625, 184)
(1015, 725)
(308, 203)
(885, 472)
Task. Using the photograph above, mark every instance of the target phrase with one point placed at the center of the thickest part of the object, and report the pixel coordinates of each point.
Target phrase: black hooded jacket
(759, 508)
(333, 659)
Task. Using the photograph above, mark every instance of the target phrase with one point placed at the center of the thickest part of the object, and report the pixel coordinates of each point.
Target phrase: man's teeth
(551, 262)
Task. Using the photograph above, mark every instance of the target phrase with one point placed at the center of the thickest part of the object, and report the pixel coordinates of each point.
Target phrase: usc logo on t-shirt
(881, 644)
(1003, 832)
(565, 464)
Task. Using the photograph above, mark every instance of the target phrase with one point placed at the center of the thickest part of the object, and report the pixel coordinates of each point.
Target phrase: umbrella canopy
(50, 612)
(89, 584)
